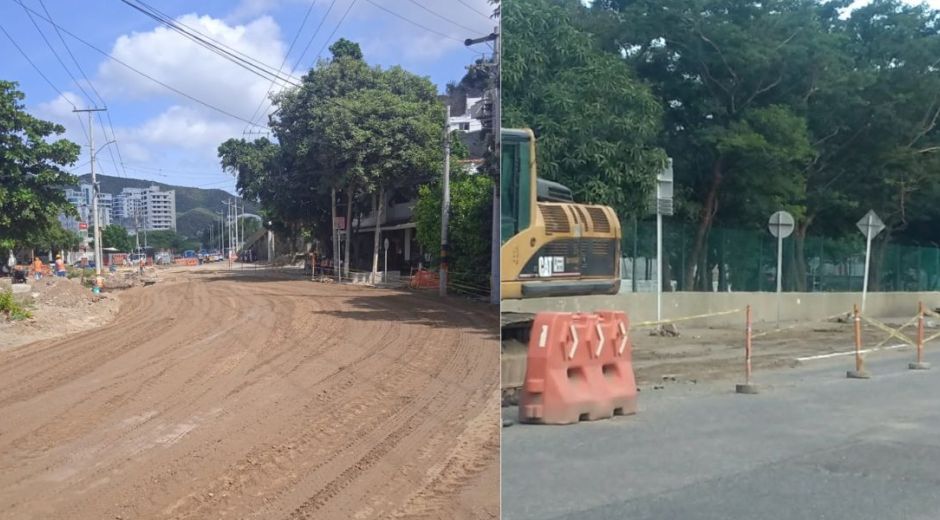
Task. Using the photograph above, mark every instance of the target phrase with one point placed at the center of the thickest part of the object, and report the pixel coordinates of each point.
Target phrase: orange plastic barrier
(578, 367)
(424, 279)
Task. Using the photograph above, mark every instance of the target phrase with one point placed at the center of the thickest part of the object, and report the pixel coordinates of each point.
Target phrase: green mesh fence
(746, 260)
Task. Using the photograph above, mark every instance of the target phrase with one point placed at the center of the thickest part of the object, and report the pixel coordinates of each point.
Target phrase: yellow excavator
(551, 247)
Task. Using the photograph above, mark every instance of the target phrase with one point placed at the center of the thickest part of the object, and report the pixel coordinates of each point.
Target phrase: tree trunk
(349, 200)
(879, 248)
(799, 253)
(378, 231)
(706, 218)
(667, 270)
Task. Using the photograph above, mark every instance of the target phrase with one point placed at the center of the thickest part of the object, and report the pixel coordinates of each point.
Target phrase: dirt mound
(61, 292)
(128, 279)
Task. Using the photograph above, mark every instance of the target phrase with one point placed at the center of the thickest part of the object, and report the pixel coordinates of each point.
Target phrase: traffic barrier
(617, 361)
(859, 372)
(424, 279)
(747, 387)
(578, 367)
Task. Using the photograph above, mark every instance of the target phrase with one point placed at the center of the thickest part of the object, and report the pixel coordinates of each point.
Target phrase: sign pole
(867, 264)
(870, 225)
(781, 225)
(779, 273)
(659, 258)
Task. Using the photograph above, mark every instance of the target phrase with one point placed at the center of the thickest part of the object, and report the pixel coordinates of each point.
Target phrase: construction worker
(59, 266)
(37, 268)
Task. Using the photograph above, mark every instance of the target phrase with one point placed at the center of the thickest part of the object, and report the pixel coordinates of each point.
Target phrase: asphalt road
(812, 445)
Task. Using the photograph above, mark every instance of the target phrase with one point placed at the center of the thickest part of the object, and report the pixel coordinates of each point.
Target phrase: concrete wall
(793, 306)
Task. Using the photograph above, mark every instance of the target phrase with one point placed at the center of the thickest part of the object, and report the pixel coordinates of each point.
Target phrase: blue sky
(165, 137)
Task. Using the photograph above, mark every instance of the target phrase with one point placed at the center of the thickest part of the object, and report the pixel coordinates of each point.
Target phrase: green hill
(187, 199)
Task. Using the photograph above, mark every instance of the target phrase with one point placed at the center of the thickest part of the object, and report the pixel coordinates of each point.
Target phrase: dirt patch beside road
(244, 396)
(59, 307)
(701, 354)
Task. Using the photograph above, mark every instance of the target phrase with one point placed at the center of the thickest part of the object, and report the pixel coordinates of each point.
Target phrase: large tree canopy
(32, 178)
(781, 104)
(596, 121)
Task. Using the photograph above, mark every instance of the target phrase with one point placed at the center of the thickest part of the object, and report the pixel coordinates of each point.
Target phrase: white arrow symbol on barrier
(600, 344)
(623, 342)
(574, 346)
(543, 336)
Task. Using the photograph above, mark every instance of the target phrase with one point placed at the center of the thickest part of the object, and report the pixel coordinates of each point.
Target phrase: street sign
(386, 244)
(83, 225)
(662, 196)
(781, 224)
(339, 223)
(870, 225)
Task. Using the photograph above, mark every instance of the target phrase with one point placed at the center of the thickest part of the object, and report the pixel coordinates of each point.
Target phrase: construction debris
(666, 330)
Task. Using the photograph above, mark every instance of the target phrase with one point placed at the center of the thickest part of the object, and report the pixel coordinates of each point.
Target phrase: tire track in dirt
(263, 398)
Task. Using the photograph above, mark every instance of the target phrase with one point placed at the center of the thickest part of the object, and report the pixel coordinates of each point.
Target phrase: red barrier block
(577, 368)
(617, 361)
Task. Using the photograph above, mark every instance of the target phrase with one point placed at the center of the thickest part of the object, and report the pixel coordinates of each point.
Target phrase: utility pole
(94, 190)
(445, 205)
(496, 128)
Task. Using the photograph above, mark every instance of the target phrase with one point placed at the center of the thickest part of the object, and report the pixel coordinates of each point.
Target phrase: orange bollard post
(747, 387)
(920, 364)
(859, 372)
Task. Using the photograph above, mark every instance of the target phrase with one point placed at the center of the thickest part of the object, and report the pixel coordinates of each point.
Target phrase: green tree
(31, 174)
(596, 121)
(116, 236)
(357, 129)
(470, 223)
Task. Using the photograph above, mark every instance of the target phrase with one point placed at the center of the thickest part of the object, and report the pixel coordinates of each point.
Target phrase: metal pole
(867, 262)
(858, 339)
(747, 348)
(633, 262)
(336, 269)
(385, 271)
(94, 189)
(779, 272)
(659, 257)
(920, 332)
(445, 205)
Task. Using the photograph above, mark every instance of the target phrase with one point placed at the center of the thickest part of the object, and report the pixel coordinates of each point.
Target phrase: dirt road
(242, 396)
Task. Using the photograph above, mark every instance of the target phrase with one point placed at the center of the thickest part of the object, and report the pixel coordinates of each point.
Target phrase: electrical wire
(412, 22)
(214, 41)
(93, 89)
(22, 52)
(442, 17)
(340, 23)
(145, 75)
(300, 29)
(264, 72)
(474, 9)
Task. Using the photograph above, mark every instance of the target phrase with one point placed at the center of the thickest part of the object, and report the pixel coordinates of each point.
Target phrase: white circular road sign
(781, 224)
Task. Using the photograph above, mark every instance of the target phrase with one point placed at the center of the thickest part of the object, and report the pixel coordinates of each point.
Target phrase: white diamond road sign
(870, 225)
(781, 224)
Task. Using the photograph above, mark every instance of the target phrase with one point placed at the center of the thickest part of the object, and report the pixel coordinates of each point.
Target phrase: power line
(303, 53)
(217, 43)
(315, 33)
(300, 29)
(474, 9)
(35, 67)
(340, 23)
(74, 79)
(412, 22)
(442, 17)
(92, 86)
(151, 78)
(56, 54)
(260, 71)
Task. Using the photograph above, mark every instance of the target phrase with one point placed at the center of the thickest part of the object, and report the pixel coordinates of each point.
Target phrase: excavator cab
(551, 246)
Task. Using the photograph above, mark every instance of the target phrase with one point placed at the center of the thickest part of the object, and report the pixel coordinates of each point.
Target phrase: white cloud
(187, 128)
(169, 57)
